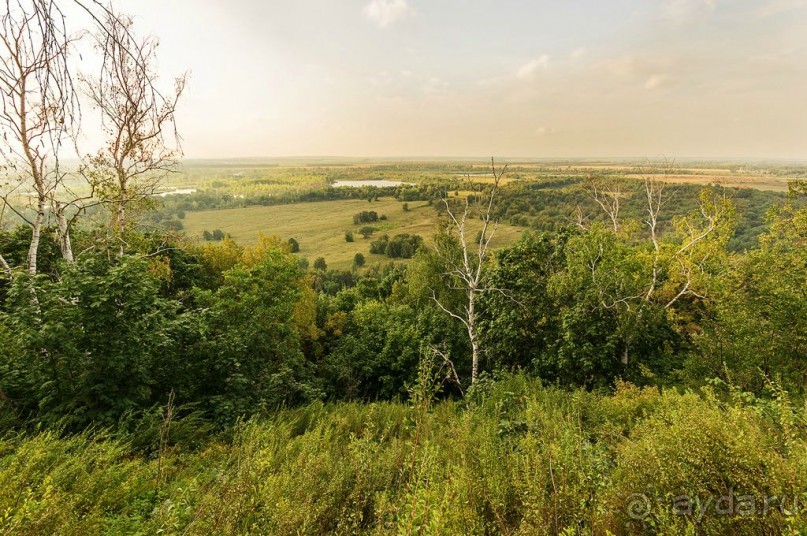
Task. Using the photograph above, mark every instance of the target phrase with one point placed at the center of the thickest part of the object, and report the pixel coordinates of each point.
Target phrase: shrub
(365, 217)
(401, 246)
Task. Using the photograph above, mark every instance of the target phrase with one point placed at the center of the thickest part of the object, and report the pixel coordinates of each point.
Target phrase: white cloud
(578, 53)
(434, 86)
(386, 12)
(530, 68)
(655, 81)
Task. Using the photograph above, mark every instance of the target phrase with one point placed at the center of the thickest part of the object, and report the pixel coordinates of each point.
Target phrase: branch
(452, 371)
(445, 310)
(5, 266)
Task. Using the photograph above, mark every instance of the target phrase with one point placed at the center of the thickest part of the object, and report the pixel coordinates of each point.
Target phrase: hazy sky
(533, 78)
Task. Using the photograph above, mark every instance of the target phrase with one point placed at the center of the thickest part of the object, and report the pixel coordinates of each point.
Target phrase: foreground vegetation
(511, 458)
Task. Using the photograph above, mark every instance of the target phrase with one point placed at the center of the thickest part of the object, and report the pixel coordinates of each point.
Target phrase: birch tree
(465, 258)
(138, 120)
(660, 273)
(40, 114)
(38, 107)
(4, 266)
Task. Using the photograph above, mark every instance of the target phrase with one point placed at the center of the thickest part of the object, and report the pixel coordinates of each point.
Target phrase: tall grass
(512, 458)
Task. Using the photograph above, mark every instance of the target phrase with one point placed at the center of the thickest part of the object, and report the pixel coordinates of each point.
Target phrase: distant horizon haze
(392, 78)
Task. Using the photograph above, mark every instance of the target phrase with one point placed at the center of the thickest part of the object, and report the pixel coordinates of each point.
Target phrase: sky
(475, 78)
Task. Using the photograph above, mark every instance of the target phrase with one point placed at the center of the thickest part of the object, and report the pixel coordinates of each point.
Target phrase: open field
(320, 227)
(728, 180)
(240, 176)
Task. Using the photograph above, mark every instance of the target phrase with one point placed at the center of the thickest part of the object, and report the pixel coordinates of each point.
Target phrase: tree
(38, 105)
(320, 264)
(294, 246)
(358, 260)
(608, 195)
(632, 278)
(465, 261)
(96, 343)
(521, 328)
(253, 358)
(758, 330)
(366, 231)
(41, 111)
(136, 117)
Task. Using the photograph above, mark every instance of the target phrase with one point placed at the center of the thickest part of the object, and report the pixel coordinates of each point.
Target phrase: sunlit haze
(687, 78)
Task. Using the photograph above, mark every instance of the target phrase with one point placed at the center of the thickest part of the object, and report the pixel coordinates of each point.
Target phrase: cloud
(530, 68)
(435, 86)
(656, 81)
(386, 12)
(685, 10)
(578, 53)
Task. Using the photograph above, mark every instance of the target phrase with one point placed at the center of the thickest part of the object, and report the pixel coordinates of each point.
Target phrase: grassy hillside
(320, 227)
(514, 458)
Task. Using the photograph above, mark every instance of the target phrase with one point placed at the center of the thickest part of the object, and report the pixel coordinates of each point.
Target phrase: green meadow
(320, 227)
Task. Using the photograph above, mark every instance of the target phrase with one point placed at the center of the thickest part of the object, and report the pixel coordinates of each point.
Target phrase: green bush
(514, 458)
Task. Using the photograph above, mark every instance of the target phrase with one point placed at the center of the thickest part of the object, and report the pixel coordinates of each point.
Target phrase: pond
(379, 183)
(184, 191)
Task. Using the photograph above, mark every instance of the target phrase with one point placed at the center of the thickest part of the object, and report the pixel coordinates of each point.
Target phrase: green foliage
(365, 216)
(358, 260)
(252, 358)
(376, 354)
(518, 458)
(94, 344)
(217, 235)
(14, 247)
(521, 327)
(400, 246)
(320, 264)
(366, 231)
(294, 246)
(758, 330)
